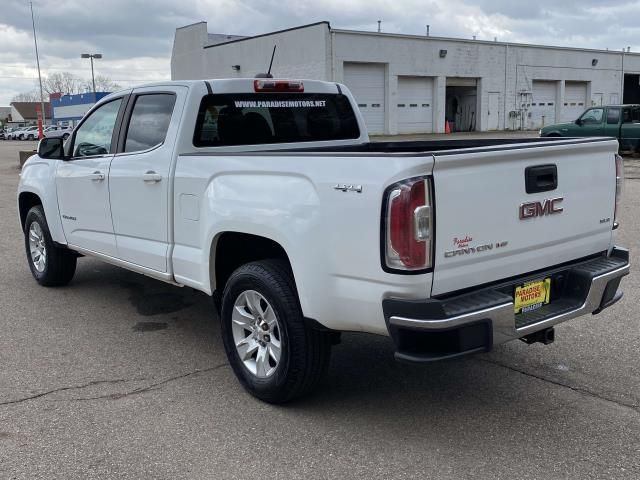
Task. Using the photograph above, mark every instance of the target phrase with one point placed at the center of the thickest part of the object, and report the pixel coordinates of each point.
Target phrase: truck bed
(433, 146)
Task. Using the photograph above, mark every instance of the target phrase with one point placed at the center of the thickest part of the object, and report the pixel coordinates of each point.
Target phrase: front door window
(593, 116)
(96, 132)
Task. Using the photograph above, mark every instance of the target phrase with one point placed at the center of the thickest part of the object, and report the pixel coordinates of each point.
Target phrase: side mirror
(51, 148)
(579, 122)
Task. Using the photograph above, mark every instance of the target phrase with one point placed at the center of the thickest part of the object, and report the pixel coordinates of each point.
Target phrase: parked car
(11, 131)
(301, 228)
(619, 121)
(16, 131)
(59, 132)
(26, 133)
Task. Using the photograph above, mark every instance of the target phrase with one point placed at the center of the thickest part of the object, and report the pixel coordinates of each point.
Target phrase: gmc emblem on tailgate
(540, 209)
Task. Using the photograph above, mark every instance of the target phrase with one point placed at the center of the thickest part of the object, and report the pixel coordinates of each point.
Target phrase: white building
(411, 84)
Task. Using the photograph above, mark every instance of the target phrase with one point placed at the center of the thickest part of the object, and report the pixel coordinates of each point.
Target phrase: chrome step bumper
(437, 329)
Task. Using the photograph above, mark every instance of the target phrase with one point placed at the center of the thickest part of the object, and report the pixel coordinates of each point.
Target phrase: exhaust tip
(546, 337)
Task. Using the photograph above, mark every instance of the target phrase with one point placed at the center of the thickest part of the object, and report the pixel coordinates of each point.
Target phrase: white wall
(508, 69)
(71, 111)
(317, 52)
(300, 53)
(15, 115)
(187, 57)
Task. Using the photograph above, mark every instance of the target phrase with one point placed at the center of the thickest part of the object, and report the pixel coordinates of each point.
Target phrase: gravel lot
(121, 376)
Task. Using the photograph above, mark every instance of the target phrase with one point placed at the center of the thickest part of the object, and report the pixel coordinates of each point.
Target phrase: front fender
(38, 177)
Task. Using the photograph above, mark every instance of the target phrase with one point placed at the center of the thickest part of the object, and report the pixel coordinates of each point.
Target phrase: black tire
(30, 137)
(305, 352)
(59, 263)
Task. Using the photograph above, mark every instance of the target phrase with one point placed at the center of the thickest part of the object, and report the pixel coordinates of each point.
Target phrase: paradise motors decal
(463, 247)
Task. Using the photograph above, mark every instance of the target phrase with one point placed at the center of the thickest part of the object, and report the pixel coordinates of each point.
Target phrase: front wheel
(50, 265)
(276, 356)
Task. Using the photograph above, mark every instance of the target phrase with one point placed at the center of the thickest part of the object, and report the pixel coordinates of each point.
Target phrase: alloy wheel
(256, 334)
(37, 247)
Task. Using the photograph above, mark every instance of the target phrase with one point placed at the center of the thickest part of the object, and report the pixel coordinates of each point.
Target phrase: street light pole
(35, 41)
(93, 78)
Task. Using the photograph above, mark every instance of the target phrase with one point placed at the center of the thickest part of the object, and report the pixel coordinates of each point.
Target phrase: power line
(19, 65)
(11, 77)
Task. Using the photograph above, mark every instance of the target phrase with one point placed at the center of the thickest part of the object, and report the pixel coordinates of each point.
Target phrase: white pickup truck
(268, 195)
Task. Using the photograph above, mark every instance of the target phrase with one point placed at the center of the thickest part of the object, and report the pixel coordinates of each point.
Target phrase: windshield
(262, 118)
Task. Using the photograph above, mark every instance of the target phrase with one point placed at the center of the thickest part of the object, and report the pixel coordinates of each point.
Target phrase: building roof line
(484, 42)
(190, 25)
(270, 33)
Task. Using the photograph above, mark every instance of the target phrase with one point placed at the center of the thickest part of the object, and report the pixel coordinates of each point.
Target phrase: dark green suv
(619, 121)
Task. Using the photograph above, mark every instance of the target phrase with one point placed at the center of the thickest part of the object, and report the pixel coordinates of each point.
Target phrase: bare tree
(68, 84)
(103, 84)
(32, 96)
(65, 82)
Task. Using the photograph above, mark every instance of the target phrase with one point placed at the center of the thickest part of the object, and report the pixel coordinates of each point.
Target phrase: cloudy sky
(135, 36)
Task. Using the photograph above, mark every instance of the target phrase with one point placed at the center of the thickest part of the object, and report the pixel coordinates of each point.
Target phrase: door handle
(97, 176)
(152, 177)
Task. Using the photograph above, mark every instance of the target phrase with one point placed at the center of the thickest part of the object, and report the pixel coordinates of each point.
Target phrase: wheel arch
(26, 201)
(230, 249)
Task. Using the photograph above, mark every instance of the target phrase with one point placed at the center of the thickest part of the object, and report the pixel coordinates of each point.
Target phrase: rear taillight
(278, 86)
(619, 187)
(408, 225)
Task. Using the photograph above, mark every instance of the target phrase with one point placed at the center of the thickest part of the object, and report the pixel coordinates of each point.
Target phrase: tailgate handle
(541, 178)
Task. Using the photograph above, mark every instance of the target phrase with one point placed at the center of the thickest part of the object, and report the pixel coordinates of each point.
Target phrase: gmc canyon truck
(267, 195)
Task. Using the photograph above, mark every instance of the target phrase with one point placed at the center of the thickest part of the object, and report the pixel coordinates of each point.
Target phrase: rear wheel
(276, 356)
(50, 265)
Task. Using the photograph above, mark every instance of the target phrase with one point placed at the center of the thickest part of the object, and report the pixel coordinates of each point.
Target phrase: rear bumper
(437, 329)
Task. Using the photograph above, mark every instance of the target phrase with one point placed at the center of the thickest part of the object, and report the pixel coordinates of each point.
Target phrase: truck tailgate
(480, 236)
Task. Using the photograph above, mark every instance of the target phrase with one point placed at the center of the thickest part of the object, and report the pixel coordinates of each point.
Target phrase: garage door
(575, 100)
(543, 103)
(366, 82)
(415, 105)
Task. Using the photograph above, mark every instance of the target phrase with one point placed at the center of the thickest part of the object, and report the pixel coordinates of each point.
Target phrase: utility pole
(621, 99)
(35, 41)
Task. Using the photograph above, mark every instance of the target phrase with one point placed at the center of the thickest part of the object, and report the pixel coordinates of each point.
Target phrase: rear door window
(264, 118)
(613, 116)
(149, 121)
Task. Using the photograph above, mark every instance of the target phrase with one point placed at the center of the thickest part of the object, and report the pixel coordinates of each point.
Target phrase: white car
(59, 132)
(26, 133)
(11, 131)
(268, 195)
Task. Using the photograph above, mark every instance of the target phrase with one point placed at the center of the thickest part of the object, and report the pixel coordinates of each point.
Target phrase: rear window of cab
(265, 118)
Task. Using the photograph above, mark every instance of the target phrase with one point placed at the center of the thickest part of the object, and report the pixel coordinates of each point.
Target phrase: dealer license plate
(532, 295)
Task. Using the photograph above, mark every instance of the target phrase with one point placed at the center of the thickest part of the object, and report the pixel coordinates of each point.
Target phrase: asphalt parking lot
(121, 376)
